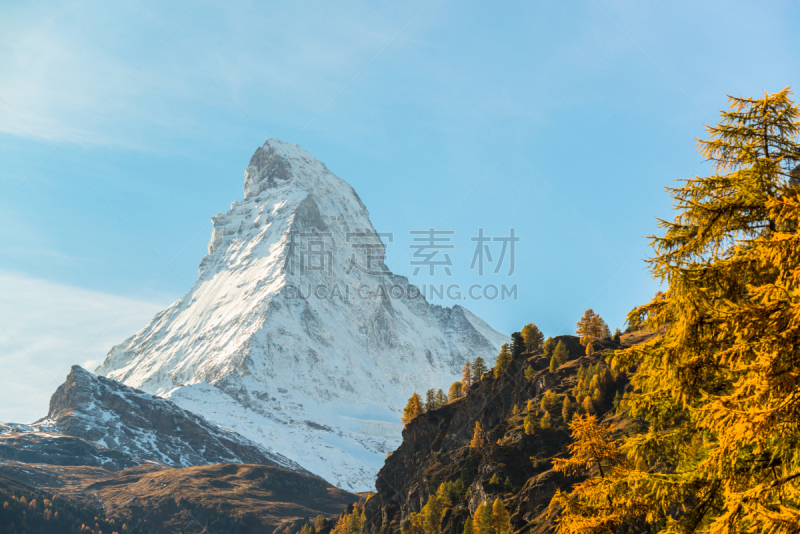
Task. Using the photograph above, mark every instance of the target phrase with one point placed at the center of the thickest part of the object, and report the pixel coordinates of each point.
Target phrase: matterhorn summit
(296, 335)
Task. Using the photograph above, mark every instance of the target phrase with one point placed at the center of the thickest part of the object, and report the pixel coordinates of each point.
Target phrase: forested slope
(511, 464)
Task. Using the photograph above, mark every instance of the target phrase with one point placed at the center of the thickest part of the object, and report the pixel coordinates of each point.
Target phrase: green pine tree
(549, 400)
(588, 405)
(485, 518)
(517, 345)
(478, 369)
(430, 400)
(455, 391)
(503, 360)
(527, 424)
(617, 401)
(468, 526)
(566, 409)
(545, 422)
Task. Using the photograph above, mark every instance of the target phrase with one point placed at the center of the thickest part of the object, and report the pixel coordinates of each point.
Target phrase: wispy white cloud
(61, 62)
(52, 77)
(45, 327)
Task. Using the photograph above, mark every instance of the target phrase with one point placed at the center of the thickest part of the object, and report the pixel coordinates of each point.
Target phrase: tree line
(491, 516)
(591, 329)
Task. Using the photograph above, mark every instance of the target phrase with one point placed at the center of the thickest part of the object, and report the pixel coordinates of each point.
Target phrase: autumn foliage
(413, 409)
(716, 390)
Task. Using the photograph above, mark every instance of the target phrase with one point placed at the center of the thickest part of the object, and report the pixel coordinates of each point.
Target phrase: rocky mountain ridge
(116, 458)
(25, 444)
(136, 425)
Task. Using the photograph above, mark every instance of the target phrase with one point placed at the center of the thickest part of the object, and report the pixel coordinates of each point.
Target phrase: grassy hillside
(222, 498)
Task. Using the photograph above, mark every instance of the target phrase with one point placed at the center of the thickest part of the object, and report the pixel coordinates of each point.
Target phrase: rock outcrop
(436, 449)
(132, 423)
(37, 447)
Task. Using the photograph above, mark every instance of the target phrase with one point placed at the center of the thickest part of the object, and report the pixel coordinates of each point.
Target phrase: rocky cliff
(435, 447)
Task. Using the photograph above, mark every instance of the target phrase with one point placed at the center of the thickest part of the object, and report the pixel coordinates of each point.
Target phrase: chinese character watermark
(373, 250)
(428, 246)
(315, 257)
(482, 248)
(312, 251)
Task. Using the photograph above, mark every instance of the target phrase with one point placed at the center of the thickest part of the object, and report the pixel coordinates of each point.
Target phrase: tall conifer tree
(430, 400)
(455, 391)
(501, 519)
(413, 409)
(466, 376)
(478, 369)
(717, 387)
(477, 437)
(503, 360)
(485, 518)
(548, 346)
(533, 337)
(441, 399)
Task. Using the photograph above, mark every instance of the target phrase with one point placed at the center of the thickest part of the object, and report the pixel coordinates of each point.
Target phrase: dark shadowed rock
(55, 449)
(145, 426)
(435, 448)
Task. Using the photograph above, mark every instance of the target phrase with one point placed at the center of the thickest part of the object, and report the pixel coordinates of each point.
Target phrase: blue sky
(125, 126)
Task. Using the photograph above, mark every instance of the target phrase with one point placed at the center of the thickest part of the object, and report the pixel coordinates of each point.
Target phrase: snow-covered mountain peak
(277, 162)
(296, 334)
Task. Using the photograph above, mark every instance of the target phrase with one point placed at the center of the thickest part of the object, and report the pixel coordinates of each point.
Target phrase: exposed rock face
(140, 425)
(318, 375)
(38, 447)
(435, 449)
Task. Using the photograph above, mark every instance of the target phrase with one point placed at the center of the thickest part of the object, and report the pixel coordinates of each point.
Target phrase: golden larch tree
(477, 437)
(533, 337)
(466, 376)
(591, 327)
(413, 409)
(501, 519)
(717, 388)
